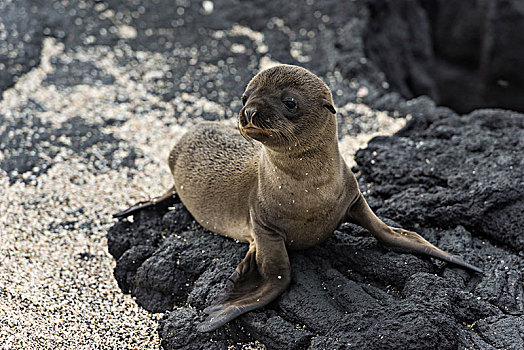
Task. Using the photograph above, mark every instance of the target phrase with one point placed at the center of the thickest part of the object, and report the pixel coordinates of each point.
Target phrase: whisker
(289, 135)
(243, 133)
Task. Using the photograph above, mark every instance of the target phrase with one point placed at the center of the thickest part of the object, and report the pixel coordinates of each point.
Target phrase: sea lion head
(286, 107)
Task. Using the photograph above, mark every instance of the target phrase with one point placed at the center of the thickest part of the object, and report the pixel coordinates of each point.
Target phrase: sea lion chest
(304, 205)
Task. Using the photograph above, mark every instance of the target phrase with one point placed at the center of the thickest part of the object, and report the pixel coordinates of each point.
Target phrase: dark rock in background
(398, 40)
(25, 23)
(75, 73)
(465, 54)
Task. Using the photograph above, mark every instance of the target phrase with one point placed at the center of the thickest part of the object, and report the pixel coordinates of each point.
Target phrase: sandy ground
(56, 284)
(56, 277)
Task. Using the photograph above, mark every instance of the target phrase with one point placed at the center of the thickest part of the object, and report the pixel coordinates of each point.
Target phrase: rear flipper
(399, 239)
(404, 241)
(164, 200)
(261, 277)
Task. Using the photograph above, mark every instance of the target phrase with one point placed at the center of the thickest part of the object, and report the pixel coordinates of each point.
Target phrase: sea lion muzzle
(250, 113)
(246, 115)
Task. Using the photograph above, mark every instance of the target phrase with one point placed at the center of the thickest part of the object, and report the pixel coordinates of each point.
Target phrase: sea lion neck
(300, 162)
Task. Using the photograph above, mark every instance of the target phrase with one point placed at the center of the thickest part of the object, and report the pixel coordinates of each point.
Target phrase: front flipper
(261, 277)
(160, 200)
(399, 239)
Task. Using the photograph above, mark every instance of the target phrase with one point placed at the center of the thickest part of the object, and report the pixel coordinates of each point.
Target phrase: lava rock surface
(464, 54)
(445, 170)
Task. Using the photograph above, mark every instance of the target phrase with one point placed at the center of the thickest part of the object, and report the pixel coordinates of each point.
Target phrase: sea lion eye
(244, 100)
(290, 103)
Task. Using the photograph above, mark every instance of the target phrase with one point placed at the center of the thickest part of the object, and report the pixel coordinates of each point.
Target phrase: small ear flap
(329, 106)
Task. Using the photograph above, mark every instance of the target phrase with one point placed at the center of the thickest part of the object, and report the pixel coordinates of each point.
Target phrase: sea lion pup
(288, 190)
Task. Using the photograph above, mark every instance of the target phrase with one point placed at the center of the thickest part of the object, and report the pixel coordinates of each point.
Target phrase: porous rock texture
(98, 91)
(462, 53)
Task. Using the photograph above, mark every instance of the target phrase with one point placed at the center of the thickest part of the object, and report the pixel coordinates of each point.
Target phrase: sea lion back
(213, 164)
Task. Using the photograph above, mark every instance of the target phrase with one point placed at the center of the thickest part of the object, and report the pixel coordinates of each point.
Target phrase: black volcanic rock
(77, 135)
(465, 54)
(447, 170)
(398, 40)
(25, 24)
(178, 218)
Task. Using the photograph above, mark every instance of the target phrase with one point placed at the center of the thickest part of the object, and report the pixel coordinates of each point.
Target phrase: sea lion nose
(250, 112)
